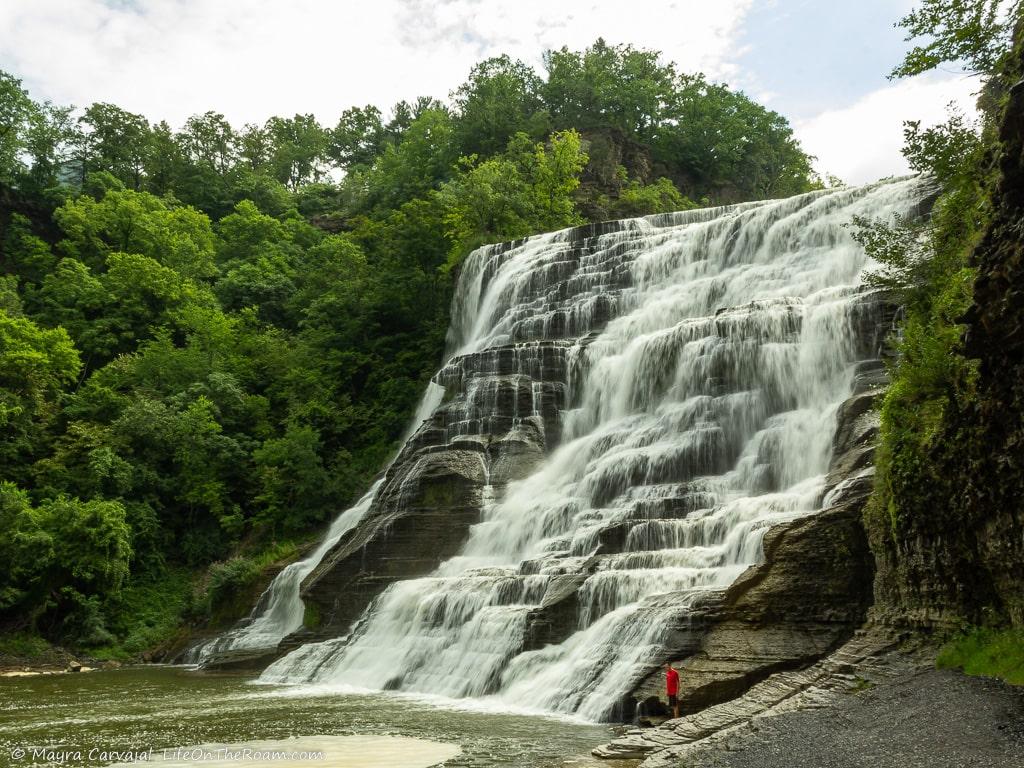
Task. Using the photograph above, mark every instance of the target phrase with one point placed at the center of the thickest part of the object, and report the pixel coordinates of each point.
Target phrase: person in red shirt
(672, 688)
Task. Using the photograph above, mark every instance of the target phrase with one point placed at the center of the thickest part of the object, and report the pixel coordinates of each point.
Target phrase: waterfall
(706, 353)
(279, 610)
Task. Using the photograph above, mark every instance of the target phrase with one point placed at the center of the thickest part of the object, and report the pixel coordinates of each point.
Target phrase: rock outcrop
(809, 594)
(669, 745)
(957, 556)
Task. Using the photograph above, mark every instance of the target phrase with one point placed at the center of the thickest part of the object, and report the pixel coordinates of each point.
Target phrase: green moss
(440, 494)
(860, 685)
(987, 652)
(311, 617)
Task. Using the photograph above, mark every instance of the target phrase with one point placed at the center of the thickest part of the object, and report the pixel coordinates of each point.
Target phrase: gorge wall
(956, 555)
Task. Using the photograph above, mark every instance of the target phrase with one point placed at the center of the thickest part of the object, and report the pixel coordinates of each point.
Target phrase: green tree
(49, 143)
(418, 163)
(16, 113)
(177, 237)
(358, 137)
(501, 98)
(35, 364)
(972, 33)
(606, 86)
(115, 141)
(26, 550)
(297, 147)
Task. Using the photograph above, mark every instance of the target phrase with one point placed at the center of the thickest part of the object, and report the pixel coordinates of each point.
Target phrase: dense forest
(211, 338)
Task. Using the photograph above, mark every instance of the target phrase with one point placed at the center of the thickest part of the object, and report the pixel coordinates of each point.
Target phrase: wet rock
(420, 517)
(806, 598)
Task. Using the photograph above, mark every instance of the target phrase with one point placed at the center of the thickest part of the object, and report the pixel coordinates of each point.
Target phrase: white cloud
(251, 59)
(862, 142)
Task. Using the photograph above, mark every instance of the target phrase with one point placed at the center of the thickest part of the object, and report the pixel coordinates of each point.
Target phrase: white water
(702, 413)
(279, 610)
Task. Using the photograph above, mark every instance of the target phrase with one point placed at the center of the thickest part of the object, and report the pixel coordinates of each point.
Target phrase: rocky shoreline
(54, 661)
(875, 702)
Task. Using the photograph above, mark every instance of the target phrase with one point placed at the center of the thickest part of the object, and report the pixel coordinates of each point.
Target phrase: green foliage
(661, 196)
(501, 98)
(23, 645)
(719, 143)
(16, 112)
(60, 558)
(35, 365)
(925, 266)
(148, 611)
(972, 33)
(358, 137)
(620, 87)
(114, 141)
(527, 189)
(227, 579)
(987, 652)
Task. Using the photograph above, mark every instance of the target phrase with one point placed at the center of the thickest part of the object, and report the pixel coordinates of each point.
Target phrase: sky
(821, 63)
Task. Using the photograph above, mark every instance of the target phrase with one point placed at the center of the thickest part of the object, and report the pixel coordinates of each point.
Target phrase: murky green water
(157, 707)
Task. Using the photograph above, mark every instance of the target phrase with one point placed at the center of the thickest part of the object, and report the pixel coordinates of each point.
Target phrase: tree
(209, 140)
(295, 486)
(297, 148)
(972, 33)
(16, 112)
(26, 549)
(92, 544)
(358, 137)
(176, 236)
(617, 87)
(35, 365)
(419, 162)
(27, 255)
(720, 144)
(661, 196)
(115, 141)
(164, 163)
(527, 189)
(502, 97)
(49, 143)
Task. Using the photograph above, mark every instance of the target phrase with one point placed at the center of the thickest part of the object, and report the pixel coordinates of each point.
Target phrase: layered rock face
(622, 462)
(813, 587)
(960, 556)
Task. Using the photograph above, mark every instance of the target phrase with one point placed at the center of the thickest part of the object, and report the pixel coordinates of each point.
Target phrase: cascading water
(279, 610)
(706, 354)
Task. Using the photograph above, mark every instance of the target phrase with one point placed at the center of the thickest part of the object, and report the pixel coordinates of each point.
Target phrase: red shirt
(671, 682)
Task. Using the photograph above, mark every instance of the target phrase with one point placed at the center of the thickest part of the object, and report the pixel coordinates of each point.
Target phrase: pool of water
(136, 709)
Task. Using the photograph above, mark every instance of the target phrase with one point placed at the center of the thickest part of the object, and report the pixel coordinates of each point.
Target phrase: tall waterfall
(707, 353)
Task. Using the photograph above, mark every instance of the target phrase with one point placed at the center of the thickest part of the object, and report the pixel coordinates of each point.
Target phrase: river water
(142, 708)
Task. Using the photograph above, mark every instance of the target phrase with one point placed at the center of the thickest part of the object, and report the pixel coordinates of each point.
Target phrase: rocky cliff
(814, 586)
(958, 556)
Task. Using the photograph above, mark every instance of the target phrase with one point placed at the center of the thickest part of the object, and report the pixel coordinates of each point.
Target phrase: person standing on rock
(672, 688)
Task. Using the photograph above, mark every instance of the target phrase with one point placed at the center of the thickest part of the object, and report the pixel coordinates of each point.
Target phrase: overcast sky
(820, 63)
